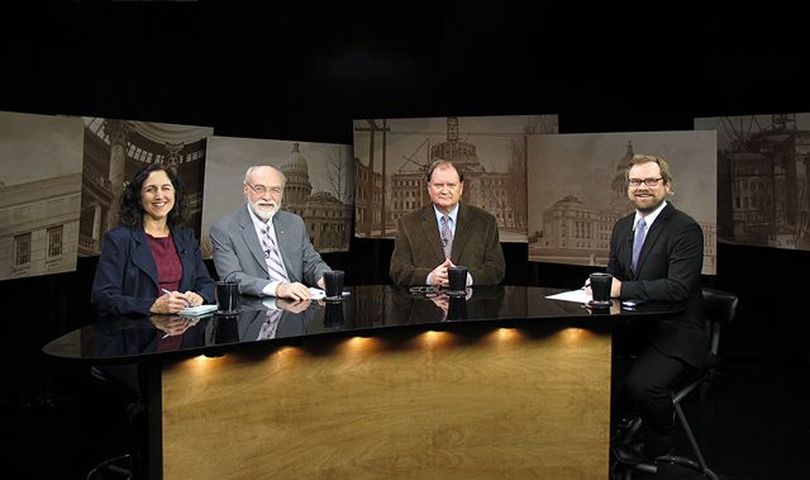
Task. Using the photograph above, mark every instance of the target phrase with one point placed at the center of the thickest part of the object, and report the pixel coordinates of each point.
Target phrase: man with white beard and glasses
(266, 250)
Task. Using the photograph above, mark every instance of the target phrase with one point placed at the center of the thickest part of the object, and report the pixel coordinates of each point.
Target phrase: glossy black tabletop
(364, 310)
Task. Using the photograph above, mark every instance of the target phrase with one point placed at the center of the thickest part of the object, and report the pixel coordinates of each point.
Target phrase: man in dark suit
(265, 249)
(656, 254)
(444, 234)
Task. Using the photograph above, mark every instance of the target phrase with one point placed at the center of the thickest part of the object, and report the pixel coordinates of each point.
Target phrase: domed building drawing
(396, 154)
(328, 220)
(297, 189)
(578, 233)
(319, 185)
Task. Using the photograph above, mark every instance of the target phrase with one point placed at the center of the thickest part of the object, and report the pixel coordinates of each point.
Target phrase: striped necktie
(447, 236)
(270, 325)
(272, 256)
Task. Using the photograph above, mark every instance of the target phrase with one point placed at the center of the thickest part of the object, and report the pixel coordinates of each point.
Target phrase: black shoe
(631, 453)
(626, 430)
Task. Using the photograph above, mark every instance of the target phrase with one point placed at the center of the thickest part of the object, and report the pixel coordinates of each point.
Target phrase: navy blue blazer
(126, 280)
(669, 268)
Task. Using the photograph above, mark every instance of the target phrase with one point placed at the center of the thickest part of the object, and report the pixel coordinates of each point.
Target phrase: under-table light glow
(507, 334)
(573, 335)
(202, 364)
(432, 339)
(287, 351)
(360, 345)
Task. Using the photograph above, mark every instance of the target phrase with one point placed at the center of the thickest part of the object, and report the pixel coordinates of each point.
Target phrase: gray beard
(263, 214)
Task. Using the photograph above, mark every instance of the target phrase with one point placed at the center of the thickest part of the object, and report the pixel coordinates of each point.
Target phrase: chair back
(720, 308)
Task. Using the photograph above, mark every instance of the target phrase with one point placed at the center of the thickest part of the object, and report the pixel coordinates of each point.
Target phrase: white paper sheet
(197, 311)
(577, 296)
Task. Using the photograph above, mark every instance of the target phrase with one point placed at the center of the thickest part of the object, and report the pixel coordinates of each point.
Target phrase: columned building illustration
(367, 199)
(114, 150)
(38, 226)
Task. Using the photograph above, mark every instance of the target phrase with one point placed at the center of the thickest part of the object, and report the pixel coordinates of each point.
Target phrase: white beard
(264, 213)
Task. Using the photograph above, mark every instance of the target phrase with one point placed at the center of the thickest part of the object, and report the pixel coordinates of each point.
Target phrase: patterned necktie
(272, 257)
(447, 236)
(270, 325)
(638, 242)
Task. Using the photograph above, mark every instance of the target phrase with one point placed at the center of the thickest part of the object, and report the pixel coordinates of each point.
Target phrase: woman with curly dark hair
(151, 263)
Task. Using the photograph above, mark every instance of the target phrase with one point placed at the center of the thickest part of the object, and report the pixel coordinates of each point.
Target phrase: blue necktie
(638, 242)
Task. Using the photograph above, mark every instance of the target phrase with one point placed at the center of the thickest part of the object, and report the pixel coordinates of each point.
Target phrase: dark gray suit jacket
(238, 256)
(669, 268)
(476, 245)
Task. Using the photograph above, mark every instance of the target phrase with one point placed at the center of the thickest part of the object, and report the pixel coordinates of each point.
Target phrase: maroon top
(168, 344)
(169, 268)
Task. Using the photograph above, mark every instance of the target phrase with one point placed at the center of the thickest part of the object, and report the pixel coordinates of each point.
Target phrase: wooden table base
(501, 404)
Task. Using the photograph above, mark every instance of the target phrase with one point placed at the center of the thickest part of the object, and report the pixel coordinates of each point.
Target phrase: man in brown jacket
(444, 234)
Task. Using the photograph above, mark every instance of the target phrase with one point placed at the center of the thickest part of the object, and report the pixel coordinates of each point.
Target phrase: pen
(165, 291)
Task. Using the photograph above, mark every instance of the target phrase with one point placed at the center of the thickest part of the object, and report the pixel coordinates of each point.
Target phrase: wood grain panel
(503, 406)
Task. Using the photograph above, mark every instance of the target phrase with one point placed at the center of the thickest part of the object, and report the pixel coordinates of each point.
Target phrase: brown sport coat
(476, 245)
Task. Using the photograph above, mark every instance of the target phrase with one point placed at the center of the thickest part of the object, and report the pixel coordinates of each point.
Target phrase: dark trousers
(649, 385)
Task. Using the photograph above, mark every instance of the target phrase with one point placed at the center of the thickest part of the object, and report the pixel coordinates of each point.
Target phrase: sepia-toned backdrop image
(763, 163)
(320, 185)
(114, 150)
(578, 190)
(40, 191)
(393, 155)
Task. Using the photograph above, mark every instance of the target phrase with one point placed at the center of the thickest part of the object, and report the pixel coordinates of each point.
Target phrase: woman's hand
(172, 325)
(171, 302)
(194, 298)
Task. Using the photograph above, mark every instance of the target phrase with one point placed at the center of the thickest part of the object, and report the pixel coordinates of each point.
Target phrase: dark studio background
(303, 71)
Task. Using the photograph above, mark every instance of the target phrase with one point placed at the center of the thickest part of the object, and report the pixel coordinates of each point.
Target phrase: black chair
(120, 467)
(720, 307)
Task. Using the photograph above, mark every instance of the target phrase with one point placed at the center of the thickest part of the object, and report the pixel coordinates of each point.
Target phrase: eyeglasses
(261, 189)
(650, 182)
(424, 289)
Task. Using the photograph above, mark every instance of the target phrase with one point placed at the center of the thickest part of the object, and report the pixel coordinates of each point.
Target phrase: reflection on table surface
(366, 310)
